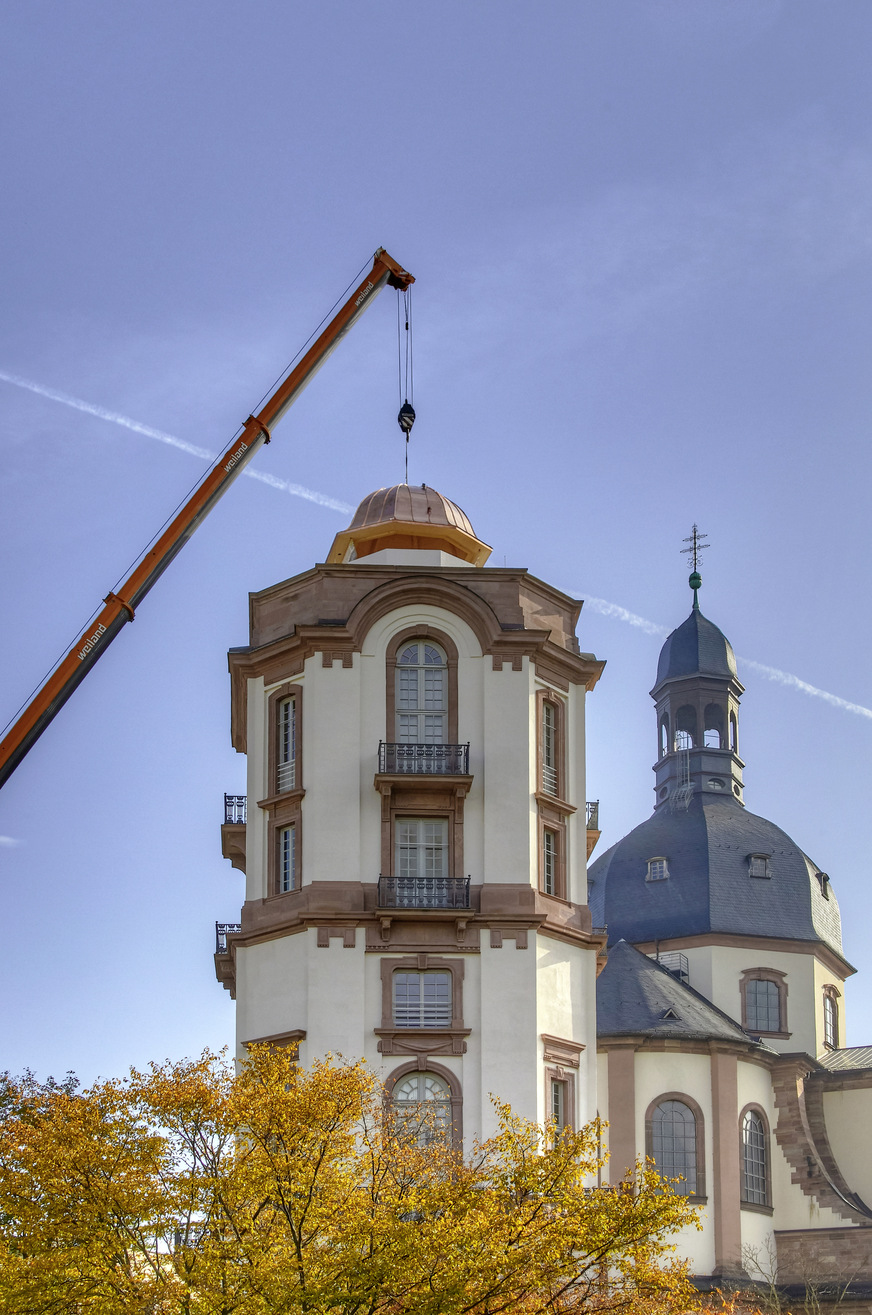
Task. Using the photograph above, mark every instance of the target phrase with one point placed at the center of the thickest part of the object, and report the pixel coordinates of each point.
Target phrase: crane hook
(406, 417)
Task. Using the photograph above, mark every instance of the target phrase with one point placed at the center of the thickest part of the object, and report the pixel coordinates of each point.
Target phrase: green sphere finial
(695, 581)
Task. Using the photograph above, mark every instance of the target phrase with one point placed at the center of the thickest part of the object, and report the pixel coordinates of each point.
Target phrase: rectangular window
(286, 744)
(287, 840)
(550, 857)
(763, 1006)
(422, 999)
(550, 778)
(558, 1103)
(758, 865)
(421, 848)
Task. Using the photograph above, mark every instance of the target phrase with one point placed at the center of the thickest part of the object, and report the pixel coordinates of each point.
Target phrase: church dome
(409, 517)
(697, 647)
(708, 848)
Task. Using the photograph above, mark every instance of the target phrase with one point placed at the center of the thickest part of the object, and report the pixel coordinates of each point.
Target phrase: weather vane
(697, 544)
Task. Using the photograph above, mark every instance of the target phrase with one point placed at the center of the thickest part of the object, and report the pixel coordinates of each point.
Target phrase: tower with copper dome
(416, 838)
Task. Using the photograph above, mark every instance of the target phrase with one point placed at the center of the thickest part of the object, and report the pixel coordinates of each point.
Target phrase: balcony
(593, 826)
(222, 931)
(423, 759)
(235, 808)
(423, 892)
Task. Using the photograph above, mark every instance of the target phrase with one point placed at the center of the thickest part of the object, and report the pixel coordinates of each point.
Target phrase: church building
(415, 842)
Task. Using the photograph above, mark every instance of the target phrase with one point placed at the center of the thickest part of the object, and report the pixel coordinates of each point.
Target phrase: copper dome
(409, 516)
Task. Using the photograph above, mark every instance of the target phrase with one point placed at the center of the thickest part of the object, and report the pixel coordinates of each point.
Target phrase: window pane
(549, 862)
(558, 1103)
(423, 1105)
(831, 1022)
(754, 1159)
(287, 745)
(549, 748)
(288, 858)
(421, 688)
(674, 1144)
(421, 847)
(422, 999)
(763, 1006)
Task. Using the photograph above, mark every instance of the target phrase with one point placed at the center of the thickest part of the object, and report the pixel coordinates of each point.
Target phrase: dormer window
(658, 869)
(758, 865)
(824, 883)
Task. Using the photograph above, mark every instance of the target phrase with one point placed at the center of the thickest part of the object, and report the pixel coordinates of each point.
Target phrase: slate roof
(696, 646)
(709, 888)
(636, 996)
(852, 1057)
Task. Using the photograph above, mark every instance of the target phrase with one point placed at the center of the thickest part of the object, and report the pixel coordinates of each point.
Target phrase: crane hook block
(406, 417)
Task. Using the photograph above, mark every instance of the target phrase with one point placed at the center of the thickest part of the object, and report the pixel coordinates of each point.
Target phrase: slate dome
(696, 647)
(709, 888)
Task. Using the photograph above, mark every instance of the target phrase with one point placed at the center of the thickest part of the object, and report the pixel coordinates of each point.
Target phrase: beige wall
(848, 1116)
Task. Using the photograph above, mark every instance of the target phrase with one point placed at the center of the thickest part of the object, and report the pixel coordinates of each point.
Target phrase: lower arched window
(423, 1104)
(755, 1159)
(675, 1145)
(831, 1019)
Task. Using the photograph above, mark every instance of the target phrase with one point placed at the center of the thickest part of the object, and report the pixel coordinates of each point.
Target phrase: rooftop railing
(423, 759)
(593, 815)
(235, 808)
(423, 892)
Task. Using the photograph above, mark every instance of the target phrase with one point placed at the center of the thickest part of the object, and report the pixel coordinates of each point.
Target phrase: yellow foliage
(193, 1189)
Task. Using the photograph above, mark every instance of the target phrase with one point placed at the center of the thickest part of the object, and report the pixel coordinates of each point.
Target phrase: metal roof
(697, 646)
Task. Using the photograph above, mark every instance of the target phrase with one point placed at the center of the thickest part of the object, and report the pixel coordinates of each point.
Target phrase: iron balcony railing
(235, 807)
(222, 931)
(423, 892)
(593, 815)
(424, 759)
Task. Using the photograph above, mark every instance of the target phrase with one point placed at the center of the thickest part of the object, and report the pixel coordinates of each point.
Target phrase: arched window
(831, 1018)
(675, 1143)
(713, 730)
(755, 1159)
(764, 1001)
(685, 727)
(423, 1105)
(421, 694)
(664, 736)
(734, 733)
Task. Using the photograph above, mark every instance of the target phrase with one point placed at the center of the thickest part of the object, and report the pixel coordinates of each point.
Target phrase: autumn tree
(193, 1188)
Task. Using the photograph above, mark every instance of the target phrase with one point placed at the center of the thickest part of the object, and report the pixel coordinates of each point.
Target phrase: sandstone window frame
(398, 641)
(284, 813)
(553, 819)
(779, 978)
(422, 1041)
(554, 772)
(698, 1197)
(290, 690)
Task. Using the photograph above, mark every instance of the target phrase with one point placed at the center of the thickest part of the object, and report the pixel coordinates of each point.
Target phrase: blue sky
(642, 234)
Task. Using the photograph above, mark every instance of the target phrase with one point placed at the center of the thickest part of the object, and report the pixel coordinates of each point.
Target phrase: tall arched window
(423, 1104)
(674, 1134)
(831, 1019)
(755, 1159)
(421, 694)
(764, 1000)
(664, 736)
(734, 733)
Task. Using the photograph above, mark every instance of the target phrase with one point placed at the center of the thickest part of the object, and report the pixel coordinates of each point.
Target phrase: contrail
(601, 605)
(606, 608)
(90, 408)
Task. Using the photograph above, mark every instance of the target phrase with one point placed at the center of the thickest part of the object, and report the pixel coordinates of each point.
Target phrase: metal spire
(697, 544)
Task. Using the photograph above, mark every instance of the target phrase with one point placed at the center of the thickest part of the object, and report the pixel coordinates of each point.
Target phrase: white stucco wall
(848, 1116)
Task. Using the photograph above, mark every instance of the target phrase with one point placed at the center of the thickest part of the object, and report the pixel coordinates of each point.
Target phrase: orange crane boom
(120, 607)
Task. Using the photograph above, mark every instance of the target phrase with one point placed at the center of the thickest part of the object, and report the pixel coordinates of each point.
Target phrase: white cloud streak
(600, 605)
(116, 418)
(605, 608)
(8, 842)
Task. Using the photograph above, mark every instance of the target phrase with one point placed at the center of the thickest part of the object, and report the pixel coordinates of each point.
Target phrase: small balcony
(222, 931)
(423, 759)
(235, 809)
(593, 826)
(423, 892)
